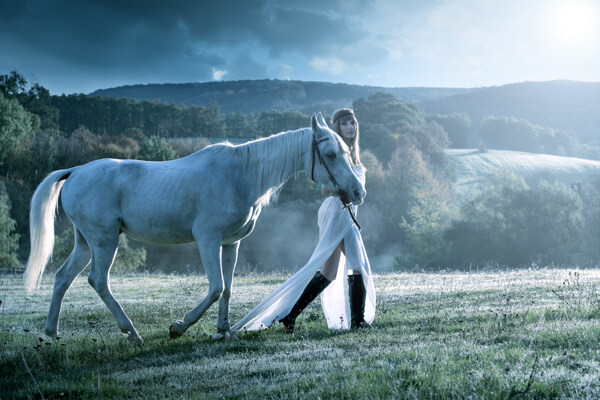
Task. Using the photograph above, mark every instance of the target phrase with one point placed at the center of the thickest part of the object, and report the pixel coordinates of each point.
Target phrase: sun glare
(574, 22)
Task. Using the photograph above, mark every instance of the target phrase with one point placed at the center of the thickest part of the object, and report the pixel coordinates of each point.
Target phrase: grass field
(485, 335)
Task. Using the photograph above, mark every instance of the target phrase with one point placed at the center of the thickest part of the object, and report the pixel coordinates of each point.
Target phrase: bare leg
(210, 253)
(330, 267)
(229, 259)
(102, 259)
(66, 274)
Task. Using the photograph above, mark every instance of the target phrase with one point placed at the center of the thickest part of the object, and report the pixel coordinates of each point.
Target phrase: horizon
(343, 83)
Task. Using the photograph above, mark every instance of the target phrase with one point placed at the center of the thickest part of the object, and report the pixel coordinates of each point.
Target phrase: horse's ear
(321, 120)
(314, 123)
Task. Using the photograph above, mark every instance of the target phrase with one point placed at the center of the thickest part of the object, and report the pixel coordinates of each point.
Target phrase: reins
(343, 196)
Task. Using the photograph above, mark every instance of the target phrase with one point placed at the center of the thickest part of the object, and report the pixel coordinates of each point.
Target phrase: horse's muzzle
(356, 198)
(359, 196)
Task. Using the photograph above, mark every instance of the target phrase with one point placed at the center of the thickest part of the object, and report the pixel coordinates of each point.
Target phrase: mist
(283, 240)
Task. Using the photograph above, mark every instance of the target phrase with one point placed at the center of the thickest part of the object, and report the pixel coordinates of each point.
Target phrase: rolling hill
(563, 105)
(473, 168)
(254, 96)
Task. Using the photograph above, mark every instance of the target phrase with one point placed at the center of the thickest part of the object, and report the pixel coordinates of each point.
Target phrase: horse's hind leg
(66, 274)
(102, 259)
(211, 260)
(229, 259)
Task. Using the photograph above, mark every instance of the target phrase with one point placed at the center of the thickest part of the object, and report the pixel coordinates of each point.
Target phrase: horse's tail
(41, 226)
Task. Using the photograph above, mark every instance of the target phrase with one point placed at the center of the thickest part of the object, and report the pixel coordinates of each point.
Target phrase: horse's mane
(274, 159)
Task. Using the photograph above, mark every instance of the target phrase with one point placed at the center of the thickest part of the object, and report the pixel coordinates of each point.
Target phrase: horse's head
(329, 163)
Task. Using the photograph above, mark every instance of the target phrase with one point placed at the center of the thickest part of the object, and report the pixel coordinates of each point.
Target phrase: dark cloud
(304, 31)
(146, 38)
(245, 66)
(93, 34)
(99, 30)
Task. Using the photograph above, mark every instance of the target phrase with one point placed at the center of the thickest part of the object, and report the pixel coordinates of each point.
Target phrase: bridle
(316, 153)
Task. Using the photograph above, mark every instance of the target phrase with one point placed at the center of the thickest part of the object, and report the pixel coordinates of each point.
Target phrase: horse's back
(157, 202)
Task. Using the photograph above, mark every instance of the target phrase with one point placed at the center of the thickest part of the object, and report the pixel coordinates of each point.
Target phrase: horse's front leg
(229, 259)
(210, 252)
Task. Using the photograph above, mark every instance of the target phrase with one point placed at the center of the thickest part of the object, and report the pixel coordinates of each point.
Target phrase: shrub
(15, 123)
(590, 195)
(83, 146)
(424, 227)
(128, 259)
(9, 240)
(156, 149)
(512, 223)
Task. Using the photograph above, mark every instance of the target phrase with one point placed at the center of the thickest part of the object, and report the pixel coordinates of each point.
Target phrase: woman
(347, 303)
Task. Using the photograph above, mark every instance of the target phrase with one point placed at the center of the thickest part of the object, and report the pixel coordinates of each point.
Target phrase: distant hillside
(564, 105)
(255, 96)
(474, 167)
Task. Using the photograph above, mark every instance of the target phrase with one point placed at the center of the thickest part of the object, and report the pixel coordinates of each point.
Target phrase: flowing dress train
(335, 225)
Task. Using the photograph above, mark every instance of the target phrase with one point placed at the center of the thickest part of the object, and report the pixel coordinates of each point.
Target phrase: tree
(128, 258)
(9, 240)
(240, 125)
(36, 100)
(156, 149)
(510, 133)
(590, 196)
(387, 123)
(119, 146)
(15, 123)
(423, 228)
(513, 224)
(205, 121)
(83, 146)
(406, 174)
(375, 172)
(270, 122)
(403, 195)
(34, 157)
(80, 148)
(386, 109)
(456, 125)
(12, 85)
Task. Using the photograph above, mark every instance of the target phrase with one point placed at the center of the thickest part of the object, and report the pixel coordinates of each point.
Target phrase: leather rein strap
(343, 195)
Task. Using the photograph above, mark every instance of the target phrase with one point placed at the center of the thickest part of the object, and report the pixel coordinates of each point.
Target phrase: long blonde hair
(339, 116)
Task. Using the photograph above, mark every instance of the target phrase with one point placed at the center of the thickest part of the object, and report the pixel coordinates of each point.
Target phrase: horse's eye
(331, 155)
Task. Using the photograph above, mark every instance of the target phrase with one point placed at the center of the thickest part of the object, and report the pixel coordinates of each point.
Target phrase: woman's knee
(330, 268)
(329, 273)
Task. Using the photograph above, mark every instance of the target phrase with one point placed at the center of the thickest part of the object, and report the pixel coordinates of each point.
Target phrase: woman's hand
(326, 192)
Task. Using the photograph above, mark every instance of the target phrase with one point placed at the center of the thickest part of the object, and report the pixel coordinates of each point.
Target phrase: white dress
(335, 225)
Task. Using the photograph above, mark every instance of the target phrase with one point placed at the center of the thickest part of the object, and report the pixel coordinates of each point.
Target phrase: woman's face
(348, 128)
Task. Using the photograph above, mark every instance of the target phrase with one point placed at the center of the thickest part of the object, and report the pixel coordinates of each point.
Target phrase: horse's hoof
(175, 330)
(137, 339)
(50, 333)
(173, 334)
(227, 335)
(132, 335)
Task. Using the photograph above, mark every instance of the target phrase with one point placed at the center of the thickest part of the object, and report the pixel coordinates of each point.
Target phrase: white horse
(212, 197)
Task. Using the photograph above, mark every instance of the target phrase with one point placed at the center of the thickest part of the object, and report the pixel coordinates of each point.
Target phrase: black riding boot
(312, 290)
(358, 295)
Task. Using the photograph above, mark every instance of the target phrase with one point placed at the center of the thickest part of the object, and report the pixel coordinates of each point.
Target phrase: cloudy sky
(77, 46)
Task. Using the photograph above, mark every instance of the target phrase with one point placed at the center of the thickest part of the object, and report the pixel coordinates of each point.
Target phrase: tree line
(410, 209)
(567, 108)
